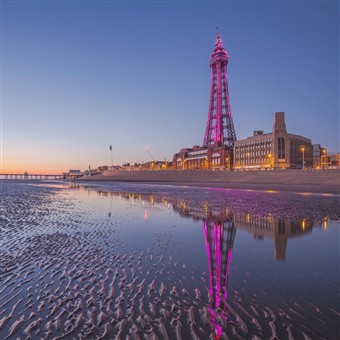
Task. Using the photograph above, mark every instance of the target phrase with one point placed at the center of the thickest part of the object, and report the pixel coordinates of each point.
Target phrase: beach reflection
(219, 231)
(277, 228)
(143, 261)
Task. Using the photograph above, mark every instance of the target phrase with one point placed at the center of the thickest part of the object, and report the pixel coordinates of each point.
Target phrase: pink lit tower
(220, 127)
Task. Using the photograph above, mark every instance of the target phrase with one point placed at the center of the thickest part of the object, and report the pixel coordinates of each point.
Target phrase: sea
(147, 261)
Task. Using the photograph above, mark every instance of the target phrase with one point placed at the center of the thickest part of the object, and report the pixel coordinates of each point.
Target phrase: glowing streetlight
(303, 157)
(323, 158)
(270, 159)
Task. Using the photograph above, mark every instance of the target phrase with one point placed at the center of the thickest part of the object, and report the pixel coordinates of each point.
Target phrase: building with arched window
(215, 157)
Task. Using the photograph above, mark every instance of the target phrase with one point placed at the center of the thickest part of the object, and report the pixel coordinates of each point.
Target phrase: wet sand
(71, 270)
(320, 181)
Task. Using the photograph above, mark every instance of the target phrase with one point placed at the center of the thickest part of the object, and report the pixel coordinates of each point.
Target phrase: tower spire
(220, 126)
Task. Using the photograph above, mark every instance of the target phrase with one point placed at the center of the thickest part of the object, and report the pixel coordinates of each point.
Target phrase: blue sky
(78, 76)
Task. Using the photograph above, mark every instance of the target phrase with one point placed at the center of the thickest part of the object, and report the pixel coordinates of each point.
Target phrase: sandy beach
(123, 260)
(313, 181)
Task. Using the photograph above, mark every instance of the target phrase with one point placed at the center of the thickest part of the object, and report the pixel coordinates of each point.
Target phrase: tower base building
(276, 150)
(212, 157)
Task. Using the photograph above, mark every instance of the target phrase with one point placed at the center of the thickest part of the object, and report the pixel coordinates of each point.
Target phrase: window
(281, 147)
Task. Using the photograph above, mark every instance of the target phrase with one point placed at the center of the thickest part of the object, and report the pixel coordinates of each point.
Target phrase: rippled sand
(66, 272)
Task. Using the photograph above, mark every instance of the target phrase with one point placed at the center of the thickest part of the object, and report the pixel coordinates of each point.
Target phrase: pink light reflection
(219, 239)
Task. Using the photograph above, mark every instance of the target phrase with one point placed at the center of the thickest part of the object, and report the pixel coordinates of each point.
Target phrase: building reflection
(279, 229)
(276, 228)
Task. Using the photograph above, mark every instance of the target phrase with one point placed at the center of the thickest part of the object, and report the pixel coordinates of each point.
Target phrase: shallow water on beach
(132, 261)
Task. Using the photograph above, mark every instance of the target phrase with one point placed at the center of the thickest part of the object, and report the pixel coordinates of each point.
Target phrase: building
(154, 165)
(330, 161)
(276, 150)
(318, 152)
(102, 168)
(219, 136)
(214, 157)
(72, 174)
(151, 165)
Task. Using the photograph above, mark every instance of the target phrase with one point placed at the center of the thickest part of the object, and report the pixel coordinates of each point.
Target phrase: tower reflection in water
(219, 240)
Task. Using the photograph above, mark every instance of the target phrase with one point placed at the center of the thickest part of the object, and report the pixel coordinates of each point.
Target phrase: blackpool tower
(220, 127)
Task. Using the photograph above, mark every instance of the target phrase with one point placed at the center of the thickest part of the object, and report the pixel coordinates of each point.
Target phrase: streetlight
(111, 156)
(303, 157)
(323, 158)
(270, 159)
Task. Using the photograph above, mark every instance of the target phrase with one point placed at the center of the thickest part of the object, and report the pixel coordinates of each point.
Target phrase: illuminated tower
(220, 126)
(219, 240)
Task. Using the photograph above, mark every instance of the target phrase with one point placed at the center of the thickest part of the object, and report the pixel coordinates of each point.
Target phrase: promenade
(313, 181)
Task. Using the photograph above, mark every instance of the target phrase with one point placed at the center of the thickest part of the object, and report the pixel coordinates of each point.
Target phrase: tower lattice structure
(220, 125)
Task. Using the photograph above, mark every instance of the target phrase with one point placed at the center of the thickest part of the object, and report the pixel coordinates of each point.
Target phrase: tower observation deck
(220, 127)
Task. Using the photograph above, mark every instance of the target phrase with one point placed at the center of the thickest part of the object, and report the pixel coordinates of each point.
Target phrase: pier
(31, 176)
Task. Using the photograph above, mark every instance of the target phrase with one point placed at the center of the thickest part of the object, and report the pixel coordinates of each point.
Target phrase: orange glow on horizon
(39, 161)
(33, 170)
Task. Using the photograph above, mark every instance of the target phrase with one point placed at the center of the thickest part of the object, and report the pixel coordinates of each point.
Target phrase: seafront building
(72, 174)
(330, 161)
(198, 157)
(318, 153)
(276, 150)
(220, 136)
(323, 160)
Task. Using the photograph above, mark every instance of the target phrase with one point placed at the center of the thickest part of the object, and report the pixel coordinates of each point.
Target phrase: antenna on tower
(148, 151)
(217, 30)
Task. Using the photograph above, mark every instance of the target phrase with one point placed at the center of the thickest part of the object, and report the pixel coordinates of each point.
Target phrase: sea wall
(317, 181)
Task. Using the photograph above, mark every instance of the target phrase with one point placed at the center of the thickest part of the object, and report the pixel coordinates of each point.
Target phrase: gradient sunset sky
(78, 76)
